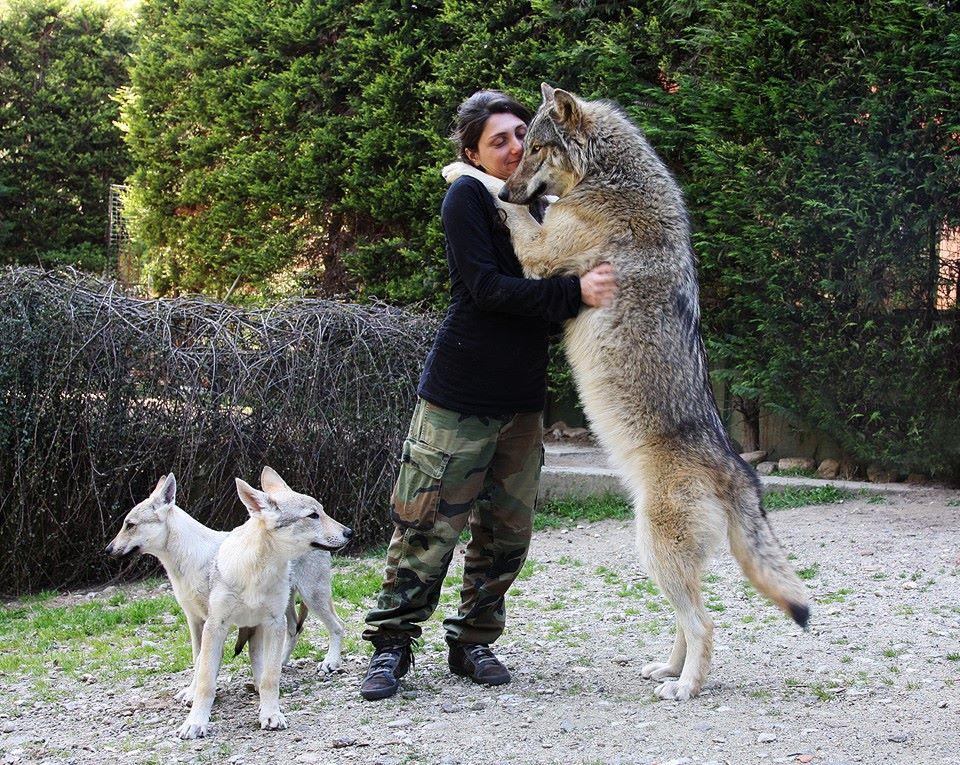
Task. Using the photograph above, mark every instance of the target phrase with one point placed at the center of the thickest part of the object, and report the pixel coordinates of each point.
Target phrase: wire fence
(102, 393)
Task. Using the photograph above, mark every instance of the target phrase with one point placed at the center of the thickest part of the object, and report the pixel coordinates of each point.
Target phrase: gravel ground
(877, 678)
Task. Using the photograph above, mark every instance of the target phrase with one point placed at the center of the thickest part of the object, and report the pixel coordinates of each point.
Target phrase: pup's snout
(347, 532)
(108, 550)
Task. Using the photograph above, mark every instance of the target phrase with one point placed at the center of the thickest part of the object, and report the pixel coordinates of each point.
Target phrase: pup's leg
(274, 636)
(318, 596)
(256, 656)
(205, 681)
(294, 625)
(185, 696)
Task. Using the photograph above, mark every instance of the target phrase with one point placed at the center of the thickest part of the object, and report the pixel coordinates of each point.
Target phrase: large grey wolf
(640, 364)
(187, 549)
(250, 587)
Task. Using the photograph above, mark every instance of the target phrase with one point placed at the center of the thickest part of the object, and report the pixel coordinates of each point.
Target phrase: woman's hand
(598, 287)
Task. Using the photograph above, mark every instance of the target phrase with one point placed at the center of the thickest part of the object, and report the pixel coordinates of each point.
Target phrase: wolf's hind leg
(660, 670)
(679, 580)
(676, 555)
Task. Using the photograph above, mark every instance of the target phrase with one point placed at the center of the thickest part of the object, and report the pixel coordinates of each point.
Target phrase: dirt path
(877, 679)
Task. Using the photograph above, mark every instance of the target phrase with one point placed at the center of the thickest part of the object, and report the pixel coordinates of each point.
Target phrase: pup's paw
(330, 664)
(185, 696)
(659, 670)
(272, 720)
(677, 690)
(193, 729)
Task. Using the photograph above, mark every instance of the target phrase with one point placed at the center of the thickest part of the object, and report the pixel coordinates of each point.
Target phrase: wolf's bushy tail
(761, 557)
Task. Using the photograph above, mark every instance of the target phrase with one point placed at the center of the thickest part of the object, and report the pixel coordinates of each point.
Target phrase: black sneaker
(478, 663)
(390, 662)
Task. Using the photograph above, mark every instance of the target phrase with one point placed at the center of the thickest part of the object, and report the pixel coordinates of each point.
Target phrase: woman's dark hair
(472, 116)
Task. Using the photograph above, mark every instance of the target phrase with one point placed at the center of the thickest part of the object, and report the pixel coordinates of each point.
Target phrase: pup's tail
(760, 555)
(243, 637)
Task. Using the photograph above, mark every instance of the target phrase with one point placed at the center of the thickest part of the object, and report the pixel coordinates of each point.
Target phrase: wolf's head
(145, 527)
(295, 521)
(554, 154)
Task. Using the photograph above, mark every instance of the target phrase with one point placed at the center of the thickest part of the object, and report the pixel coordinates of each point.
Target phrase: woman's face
(500, 146)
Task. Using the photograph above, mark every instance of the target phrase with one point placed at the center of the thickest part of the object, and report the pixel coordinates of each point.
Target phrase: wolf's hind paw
(677, 690)
(659, 670)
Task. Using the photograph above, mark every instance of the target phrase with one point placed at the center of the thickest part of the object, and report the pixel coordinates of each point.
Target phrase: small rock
(805, 758)
(400, 722)
(448, 707)
(9, 727)
(766, 738)
(766, 468)
(797, 463)
(898, 738)
(828, 469)
(879, 474)
(753, 458)
(342, 743)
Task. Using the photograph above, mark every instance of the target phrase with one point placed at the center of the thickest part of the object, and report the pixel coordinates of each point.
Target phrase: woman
(474, 449)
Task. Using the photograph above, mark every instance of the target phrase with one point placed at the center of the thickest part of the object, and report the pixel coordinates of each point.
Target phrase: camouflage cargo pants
(459, 469)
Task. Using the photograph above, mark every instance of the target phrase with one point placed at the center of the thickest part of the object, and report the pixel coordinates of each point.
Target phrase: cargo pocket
(416, 495)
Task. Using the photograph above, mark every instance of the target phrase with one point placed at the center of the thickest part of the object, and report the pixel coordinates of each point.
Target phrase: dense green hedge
(288, 145)
(60, 66)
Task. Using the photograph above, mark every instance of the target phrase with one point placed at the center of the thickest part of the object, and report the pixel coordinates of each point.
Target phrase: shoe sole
(383, 693)
(463, 673)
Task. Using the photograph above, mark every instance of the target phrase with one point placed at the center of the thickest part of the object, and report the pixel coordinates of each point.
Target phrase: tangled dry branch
(102, 393)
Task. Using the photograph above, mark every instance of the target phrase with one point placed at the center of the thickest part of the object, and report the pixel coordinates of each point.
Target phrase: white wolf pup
(640, 364)
(187, 548)
(250, 587)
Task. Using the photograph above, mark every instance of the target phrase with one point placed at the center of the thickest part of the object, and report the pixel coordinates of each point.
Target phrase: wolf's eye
(535, 148)
(314, 515)
(129, 525)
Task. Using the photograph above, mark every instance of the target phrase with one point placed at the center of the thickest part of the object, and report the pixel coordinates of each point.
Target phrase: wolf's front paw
(677, 690)
(185, 696)
(193, 729)
(272, 720)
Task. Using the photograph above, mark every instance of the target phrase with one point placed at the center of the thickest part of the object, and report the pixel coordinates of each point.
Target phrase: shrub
(60, 66)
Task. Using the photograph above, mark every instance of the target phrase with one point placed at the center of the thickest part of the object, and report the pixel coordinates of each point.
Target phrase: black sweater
(490, 354)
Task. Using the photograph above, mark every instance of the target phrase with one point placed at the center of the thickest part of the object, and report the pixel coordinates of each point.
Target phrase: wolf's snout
(504, 194)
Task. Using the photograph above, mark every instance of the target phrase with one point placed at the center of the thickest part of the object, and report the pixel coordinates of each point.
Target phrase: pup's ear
(271, 481)
(547, 91)
(168, 489)
(160, 483)
(567, 109)
(257, 503)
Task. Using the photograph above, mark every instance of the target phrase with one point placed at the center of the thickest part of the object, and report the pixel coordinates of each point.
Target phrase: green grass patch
(565, 512)
(802, 496)
(809, 572)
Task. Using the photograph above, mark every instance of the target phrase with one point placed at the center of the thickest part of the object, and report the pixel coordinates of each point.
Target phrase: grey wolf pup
(250, 587)
(640, 364)
(187, 549)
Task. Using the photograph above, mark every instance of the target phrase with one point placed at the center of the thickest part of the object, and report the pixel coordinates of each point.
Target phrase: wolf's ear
(567, 109)
(256, 502)
(547, 92)
(271, 481)
(167, 489)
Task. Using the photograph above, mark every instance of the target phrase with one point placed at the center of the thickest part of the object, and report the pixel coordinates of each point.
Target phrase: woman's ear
(473, 157)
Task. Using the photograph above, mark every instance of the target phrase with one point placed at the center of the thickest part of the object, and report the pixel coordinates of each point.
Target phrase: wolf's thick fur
(188, 551)
(640, 364)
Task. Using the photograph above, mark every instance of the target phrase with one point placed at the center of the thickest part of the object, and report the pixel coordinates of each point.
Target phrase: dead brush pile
(101, 393)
